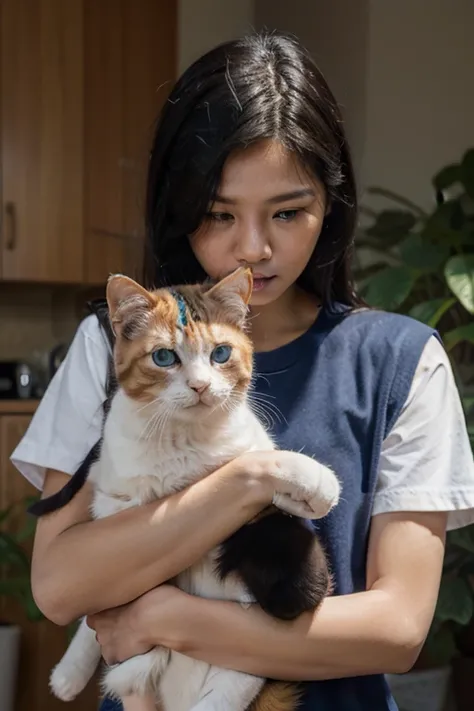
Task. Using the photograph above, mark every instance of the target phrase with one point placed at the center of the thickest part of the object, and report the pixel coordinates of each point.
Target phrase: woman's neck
(285, 319)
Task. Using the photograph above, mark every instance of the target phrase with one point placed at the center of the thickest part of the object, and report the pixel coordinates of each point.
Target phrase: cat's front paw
(64, 684)
(305, 487)
(137, 675)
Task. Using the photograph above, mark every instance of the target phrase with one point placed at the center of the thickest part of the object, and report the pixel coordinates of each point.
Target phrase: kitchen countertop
(18, 407)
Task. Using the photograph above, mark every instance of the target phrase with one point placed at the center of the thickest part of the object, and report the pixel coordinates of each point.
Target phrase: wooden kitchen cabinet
(130, 65)
(43, 643)
(82, 82)
(42, 141)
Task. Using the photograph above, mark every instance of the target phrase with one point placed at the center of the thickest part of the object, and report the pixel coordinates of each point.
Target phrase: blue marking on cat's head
(182, 319)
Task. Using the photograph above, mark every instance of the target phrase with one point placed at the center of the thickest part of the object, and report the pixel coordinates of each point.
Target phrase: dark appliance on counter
(16, 380)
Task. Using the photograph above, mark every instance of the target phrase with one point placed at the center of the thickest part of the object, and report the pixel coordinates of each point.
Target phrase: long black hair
(259, 87)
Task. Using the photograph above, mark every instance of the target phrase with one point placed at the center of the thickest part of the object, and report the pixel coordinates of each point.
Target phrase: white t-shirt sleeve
(68, 421)
(426, 462)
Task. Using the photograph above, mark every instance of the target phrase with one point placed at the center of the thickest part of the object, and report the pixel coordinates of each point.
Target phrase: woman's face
(268, 214)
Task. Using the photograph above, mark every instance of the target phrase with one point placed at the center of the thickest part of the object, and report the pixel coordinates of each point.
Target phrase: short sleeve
(68, 421)
(426, 463)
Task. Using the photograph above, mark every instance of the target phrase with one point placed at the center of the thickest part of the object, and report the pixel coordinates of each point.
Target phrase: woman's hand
(133, 629)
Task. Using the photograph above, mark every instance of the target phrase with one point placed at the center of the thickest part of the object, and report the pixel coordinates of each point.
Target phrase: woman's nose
(252, 246)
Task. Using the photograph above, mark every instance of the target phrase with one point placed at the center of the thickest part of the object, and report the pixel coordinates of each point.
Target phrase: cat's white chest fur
(136, 467)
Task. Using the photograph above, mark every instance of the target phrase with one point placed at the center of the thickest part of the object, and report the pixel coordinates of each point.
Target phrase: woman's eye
(221, 354)
(164, 358)
(287, 215)
(220, 216)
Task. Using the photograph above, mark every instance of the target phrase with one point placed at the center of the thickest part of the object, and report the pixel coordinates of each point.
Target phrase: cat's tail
(70, 489)
(77, 666)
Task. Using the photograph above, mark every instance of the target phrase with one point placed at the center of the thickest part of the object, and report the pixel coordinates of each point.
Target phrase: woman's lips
(260, 282)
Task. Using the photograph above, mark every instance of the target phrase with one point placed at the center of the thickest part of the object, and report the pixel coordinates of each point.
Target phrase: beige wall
(402, 70)
(420, 91)
(205, 23)
(336, 34)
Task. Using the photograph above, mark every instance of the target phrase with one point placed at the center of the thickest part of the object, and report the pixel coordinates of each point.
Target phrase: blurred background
(81, 82)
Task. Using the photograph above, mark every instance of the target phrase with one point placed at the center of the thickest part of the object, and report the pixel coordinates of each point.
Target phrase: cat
(183, 364)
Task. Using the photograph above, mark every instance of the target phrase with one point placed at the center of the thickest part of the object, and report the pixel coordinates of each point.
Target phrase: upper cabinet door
(130, 65)
(42, 140)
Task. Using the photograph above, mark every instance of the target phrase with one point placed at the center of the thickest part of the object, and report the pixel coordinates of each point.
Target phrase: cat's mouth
(205, 402)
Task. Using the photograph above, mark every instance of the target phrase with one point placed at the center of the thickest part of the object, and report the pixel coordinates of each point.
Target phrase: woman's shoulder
(384, 331)
(68, 420)
(371, 317)
(90, 329)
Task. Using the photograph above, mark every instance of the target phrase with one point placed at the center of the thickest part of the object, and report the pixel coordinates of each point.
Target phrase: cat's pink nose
(198, 385)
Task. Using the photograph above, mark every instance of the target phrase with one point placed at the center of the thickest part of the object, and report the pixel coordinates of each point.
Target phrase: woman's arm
(82, 566)
(377, 631)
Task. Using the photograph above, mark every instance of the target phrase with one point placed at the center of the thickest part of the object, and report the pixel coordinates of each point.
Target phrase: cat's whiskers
(268, 410)
(148, 404)
(158, 422)
(161, 425)
(230, 403)
(152, 423)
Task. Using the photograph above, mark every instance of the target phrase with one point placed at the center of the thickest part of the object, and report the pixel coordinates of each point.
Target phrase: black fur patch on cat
(281, 562)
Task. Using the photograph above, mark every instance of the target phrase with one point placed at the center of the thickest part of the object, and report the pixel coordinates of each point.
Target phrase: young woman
(250, 166)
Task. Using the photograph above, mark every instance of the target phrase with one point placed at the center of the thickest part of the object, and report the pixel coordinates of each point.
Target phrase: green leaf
(430, 312)
(446, 225)
(459, 335)
(391, 225)
(32, 610)
(459, 275)
(396, 197)
(6, 513)
(468, 403)
(454, 601)
(441, 645)
(11, 553)
(463, 538)
(447, 176)
(421, 255)
(28, 530)
(467, 172)
(389, 288)
(13, 587)
(368, 257)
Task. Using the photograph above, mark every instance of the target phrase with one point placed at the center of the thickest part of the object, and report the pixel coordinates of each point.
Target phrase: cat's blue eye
(164, 357)
(221, 354)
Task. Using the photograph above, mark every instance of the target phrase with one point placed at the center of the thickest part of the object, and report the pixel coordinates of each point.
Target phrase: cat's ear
(234, 291)
(126, 300)
(238, 284)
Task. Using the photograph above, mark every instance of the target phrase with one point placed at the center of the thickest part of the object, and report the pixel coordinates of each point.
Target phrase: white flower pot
(9, 659)
(425, 690)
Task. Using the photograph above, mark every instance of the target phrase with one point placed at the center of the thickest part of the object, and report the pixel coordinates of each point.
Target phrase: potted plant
(14, 583)
(451, 637)
(421, 263)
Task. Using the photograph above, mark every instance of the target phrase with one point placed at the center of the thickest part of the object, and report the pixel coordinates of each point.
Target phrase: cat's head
(184, 349)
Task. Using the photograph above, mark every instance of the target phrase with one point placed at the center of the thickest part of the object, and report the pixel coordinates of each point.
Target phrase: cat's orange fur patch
(145, 321)
(277, 696)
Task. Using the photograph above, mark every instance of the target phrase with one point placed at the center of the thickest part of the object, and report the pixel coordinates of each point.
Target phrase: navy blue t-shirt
(334, 393)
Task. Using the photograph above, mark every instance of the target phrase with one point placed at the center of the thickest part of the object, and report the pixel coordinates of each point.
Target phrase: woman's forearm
(95, 565)
(350, 635)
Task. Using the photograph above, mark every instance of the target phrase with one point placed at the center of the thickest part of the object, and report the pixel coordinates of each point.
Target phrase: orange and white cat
(183, 363)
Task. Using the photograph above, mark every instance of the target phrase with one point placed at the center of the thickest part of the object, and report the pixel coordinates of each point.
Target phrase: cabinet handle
(10, 219)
